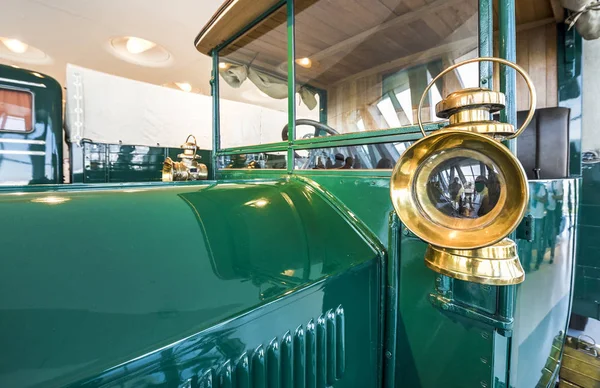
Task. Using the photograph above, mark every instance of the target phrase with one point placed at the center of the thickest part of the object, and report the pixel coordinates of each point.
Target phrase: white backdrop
(109, 109)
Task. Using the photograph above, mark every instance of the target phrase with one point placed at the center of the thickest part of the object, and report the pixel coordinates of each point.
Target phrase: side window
(16, 110)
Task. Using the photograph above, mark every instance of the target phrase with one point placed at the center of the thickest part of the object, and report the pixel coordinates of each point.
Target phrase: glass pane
(361, 157)
(15, 110)
(463, 187)
(265, 160)
(371, 60)
(253, 85)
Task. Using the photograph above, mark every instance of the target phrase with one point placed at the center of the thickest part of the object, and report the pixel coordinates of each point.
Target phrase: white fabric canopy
(108, 109)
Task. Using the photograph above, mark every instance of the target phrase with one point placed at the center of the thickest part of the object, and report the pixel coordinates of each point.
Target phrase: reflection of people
(434, 190)
(357, 164)
(493, 186)
(485, 205)
(237, 161)
(348, 163)
(328, 163)
(384, 163)
(455, 190)
(339, 160)
(319, 165)
(539, 200)
(553, 216)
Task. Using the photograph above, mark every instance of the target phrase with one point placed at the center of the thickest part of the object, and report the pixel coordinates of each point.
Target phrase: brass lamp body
(188, 169)
(465, 243)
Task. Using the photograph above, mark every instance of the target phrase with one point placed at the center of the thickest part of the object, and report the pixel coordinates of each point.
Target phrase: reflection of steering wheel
(313, 123)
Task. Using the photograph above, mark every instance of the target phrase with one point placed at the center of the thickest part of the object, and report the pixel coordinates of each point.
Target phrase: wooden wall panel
(536, 53)
(350, 101)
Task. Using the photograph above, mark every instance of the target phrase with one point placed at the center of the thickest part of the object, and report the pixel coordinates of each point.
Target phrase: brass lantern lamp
(189, 168)
(461, 190)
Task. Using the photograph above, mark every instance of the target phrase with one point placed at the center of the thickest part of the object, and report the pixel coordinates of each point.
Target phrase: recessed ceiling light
(140, 51)
(304, 62)
(15, 45)
(184, 86)
(224, 65)
(15, 50)
(138, 45)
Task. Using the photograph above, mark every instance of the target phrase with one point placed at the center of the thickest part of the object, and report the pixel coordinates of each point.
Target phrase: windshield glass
(253, 86)
(360, 66)
(374, 58)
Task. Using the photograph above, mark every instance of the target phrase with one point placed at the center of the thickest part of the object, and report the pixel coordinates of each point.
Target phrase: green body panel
(106, 163)
(172, 281)
(569, 61)
(493, 340)
(543, 301)
(586, 300)
(37, 157)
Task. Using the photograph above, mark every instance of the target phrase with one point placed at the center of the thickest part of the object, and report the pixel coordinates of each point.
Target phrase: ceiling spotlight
(304, 62)
(184, 86)
(138, 45)
(15, 45)
(224, 65)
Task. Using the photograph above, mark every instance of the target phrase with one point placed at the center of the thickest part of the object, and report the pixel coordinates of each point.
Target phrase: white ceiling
(78, 32)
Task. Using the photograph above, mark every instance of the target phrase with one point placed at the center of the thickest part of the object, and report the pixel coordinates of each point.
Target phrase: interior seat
(543, 147)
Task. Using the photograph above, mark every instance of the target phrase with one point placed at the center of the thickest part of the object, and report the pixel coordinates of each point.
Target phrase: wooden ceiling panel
(349, 37)
(528, 11)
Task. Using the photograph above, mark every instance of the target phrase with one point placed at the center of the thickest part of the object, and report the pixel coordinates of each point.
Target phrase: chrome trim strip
(37, 153)
(14, 81)
(23, 141)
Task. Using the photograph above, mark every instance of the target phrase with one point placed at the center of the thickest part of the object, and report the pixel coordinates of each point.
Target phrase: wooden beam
(436, 6)
(537, 23)
(557, 10)
(413, 59)
(433, 53)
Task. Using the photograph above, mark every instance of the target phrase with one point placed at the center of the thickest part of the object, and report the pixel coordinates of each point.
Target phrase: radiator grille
(312, 356)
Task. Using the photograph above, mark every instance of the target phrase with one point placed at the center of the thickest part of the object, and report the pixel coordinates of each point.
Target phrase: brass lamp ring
(519, 69)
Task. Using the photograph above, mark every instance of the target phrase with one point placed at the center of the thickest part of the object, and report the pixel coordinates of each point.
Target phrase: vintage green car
(339, 241)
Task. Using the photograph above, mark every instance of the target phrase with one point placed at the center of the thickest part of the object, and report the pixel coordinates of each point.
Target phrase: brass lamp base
(497, 264)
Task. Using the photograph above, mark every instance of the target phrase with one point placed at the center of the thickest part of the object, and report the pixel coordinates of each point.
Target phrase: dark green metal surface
(569, 53)
(587, 275)
(159, 297)
(586, 300)
(37, 158)
(272, 278)
(291, 69)
(543, 300)
(106, 163)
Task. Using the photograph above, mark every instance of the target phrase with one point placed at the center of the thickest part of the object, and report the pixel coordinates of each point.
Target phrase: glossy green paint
(106, 163)
(214, 89)
(587, 276)
(569, 52)
(36, 157)
(199, 282)
(478, 336)
(543, 300)
(486, 42)
(507, 39)
(291, 69)
(586, 301)
(260, 278)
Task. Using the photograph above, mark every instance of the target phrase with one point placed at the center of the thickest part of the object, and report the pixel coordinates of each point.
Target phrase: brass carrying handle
(195, 144)
(519, 69)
